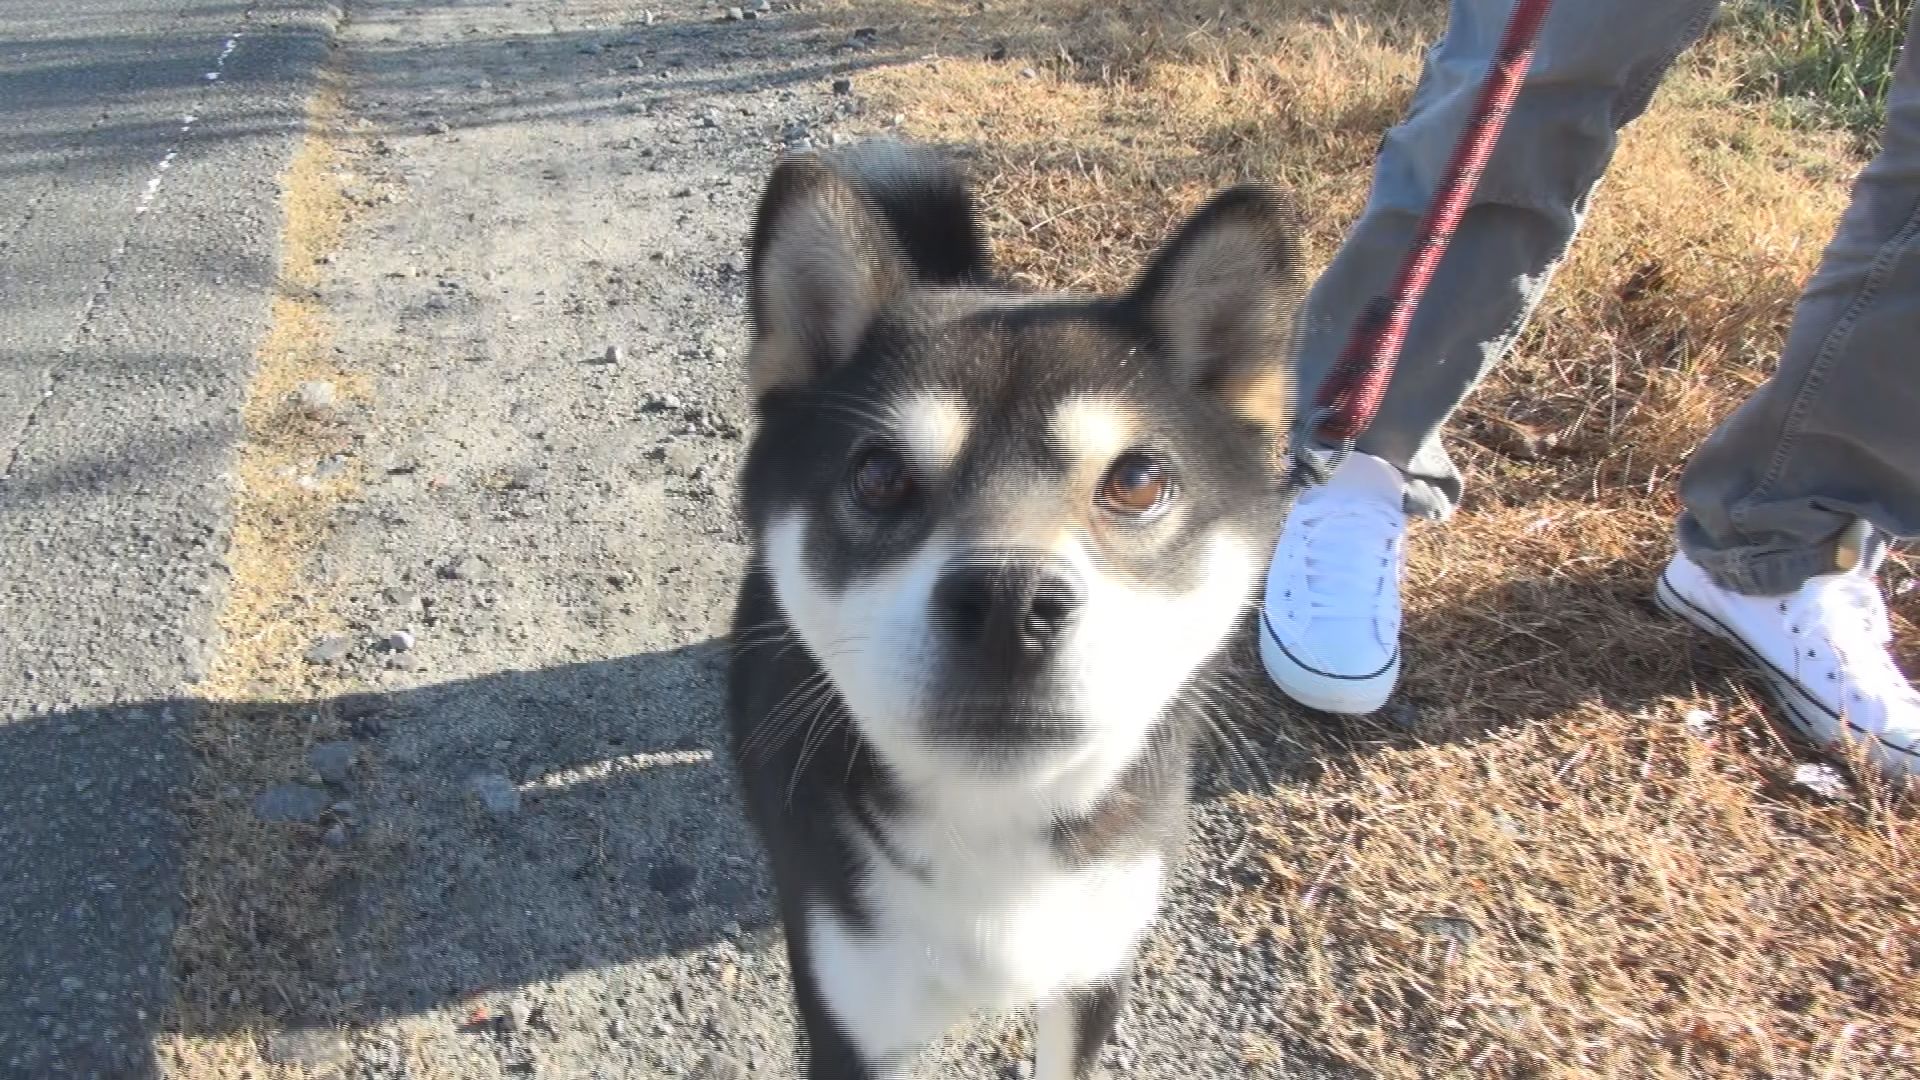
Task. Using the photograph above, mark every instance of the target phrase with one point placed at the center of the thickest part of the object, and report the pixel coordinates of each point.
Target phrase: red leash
(1351, 394)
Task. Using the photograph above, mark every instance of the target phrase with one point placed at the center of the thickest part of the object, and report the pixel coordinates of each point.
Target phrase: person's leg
(1332, 610)
(1789, 501)
(1595, 69)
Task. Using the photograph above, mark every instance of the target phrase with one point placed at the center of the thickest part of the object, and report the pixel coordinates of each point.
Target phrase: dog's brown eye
(1137, 483)
(881, 480)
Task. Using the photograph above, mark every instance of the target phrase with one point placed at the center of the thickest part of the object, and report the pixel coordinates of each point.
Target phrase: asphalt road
(140, 147)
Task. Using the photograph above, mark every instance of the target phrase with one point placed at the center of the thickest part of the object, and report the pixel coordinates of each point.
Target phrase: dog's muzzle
(1006, 613)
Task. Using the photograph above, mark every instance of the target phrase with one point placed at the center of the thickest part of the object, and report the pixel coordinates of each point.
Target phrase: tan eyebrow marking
(932, 426)
(1094, 430)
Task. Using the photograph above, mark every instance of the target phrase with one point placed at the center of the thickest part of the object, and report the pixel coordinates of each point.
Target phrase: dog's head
(1009, 527)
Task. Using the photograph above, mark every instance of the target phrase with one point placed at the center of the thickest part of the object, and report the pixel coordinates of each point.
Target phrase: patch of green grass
(1829, 62)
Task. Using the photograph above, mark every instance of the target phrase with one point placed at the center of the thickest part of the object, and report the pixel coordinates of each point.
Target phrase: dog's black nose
(1019, 603)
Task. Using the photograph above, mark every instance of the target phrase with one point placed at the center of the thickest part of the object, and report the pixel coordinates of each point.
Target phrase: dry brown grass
(1543, 869)
(249, 931)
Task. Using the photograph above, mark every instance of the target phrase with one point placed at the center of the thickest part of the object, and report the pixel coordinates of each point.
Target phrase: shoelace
(1849, 618)
(1345, 549)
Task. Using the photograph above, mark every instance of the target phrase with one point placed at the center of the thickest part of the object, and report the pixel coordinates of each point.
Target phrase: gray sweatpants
(1833, 438)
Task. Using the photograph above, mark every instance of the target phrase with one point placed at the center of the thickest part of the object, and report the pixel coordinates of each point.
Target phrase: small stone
(1458, 932)
(308, 1048)
(336, 836)
(517, 1014)
(330, 649)
(1401, 714)
(460, 568)
(671, 876)
(711, 120)
(614, 355)
(592, 49)
(843, 86)
(314, 398)
(438, 127)
(714, 1066)
(400, 641)
(646, 18)
(331, 761)
(480, 84)
(71, 984)
(1029, 73)
(1823, 780)
(763, 6)
(284, 803)
(1698, 722)
(734, 14)
(496, 793)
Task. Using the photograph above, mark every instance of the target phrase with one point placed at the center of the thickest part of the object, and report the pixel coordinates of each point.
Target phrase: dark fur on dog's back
(949, 814)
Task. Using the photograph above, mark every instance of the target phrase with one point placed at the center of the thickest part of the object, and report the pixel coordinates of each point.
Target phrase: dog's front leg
(825, 1051)
(862, 1016)
(1070, 1033)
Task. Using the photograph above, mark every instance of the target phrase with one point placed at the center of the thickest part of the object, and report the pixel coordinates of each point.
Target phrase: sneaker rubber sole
(1815, 722)
(1342, 695)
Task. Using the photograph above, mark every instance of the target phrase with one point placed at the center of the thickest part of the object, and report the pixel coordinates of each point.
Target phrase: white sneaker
(1331, 621)
(1823, 651)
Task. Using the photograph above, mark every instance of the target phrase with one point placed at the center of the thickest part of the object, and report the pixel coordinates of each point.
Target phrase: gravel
(331, 761)
(315, 399)
(291, 803)
(308, 1048)
(330, 649)
(496, 793)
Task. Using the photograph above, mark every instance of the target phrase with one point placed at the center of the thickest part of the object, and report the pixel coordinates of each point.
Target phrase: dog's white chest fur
(997, 923)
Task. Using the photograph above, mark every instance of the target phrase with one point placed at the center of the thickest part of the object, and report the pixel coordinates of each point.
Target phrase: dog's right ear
(820, 267)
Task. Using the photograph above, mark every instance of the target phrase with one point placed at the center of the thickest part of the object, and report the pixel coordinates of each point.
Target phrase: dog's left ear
(839, 236)
(1221, 298)
(822, 265)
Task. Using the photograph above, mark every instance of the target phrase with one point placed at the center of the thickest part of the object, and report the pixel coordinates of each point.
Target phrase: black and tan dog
(997, 537)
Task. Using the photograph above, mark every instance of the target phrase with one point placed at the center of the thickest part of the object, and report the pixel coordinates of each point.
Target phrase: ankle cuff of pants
(1420, 497)
(1429, 500)
(1756, 570)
